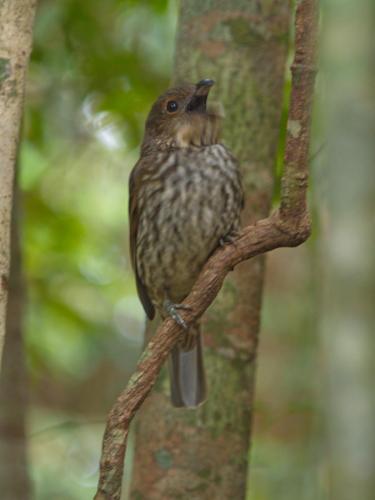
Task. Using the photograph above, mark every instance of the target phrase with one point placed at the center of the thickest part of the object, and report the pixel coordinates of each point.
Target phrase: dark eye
(172, 106)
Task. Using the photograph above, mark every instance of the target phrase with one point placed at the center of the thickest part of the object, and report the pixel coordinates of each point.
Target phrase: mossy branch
(289, 226)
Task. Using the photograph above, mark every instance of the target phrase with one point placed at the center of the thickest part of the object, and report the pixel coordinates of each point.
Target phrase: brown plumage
(185, 200)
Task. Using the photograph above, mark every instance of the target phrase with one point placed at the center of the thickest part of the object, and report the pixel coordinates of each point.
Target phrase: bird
(185, 200)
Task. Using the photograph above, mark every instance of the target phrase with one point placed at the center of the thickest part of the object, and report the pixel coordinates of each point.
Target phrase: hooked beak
(199, 99)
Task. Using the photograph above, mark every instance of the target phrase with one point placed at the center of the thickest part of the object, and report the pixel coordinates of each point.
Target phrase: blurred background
(96, 68)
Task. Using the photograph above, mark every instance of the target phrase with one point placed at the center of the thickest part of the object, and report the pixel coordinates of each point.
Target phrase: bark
(289, 226)
(16, 21)
(14, 479)
(348, 248)
(241, 45)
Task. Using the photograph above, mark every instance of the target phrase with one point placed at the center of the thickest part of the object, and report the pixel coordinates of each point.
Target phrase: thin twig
(66, 424)
(288, 226)
(316, 153)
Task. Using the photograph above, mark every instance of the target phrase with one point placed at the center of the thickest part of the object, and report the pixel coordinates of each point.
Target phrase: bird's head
(179, 118)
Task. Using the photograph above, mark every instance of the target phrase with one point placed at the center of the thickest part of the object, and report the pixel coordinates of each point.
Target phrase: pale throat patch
(199, 132)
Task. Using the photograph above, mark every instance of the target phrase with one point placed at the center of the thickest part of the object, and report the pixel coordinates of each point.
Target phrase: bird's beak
(199, 98)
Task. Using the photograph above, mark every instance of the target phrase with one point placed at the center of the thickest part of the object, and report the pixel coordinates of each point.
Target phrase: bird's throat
(200, 130)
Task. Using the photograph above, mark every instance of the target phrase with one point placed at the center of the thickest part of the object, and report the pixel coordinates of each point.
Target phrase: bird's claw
(228, 238)
(172, 311)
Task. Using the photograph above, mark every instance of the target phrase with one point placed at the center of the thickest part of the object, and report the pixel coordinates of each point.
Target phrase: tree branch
(16, 22)
(289, 226)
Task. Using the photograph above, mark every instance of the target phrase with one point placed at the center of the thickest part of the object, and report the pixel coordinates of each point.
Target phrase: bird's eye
(172, 106)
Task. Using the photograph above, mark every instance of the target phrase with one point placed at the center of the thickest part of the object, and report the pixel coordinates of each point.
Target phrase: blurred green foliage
(95, 70)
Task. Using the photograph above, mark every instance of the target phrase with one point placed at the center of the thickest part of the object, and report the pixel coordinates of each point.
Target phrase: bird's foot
(172, 311)
(228, 238)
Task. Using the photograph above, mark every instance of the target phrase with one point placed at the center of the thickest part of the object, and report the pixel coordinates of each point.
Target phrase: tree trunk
(348, 248)
(201, 454)
(16, 21)
(14, 480)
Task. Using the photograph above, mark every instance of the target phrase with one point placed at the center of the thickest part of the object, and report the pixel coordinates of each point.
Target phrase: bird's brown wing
(134, 180)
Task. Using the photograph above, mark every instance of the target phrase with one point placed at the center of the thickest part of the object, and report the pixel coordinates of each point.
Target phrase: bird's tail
(186, 370)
